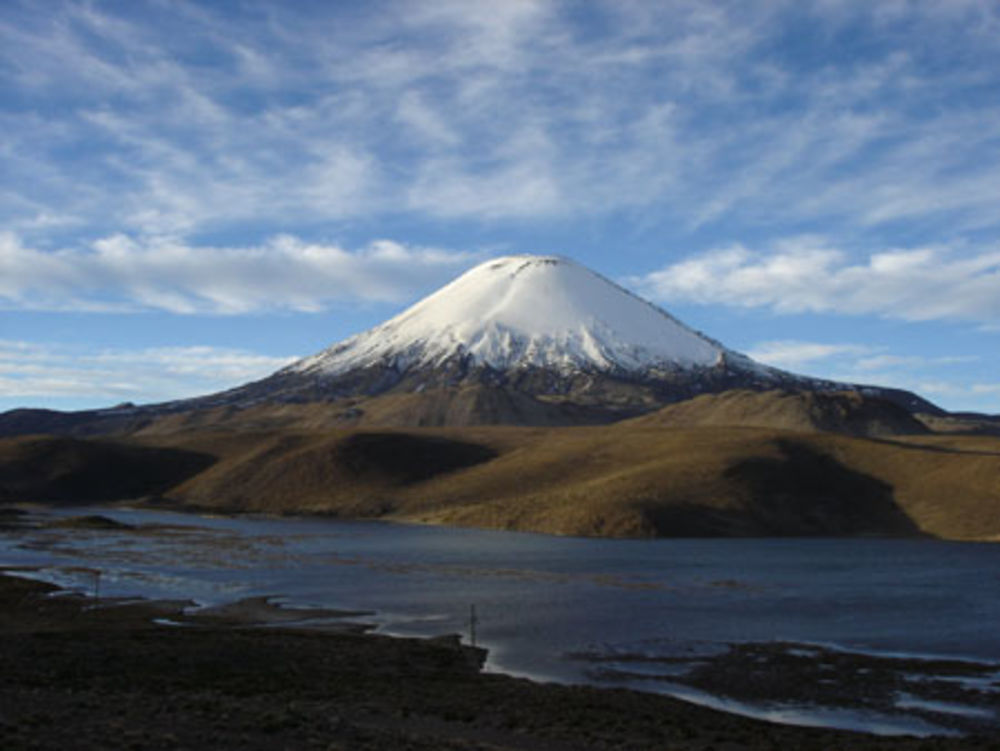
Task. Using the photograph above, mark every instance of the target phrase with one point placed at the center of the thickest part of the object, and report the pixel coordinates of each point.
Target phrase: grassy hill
(683, 471)
(844, 412)
(610, 481)
(70, 470)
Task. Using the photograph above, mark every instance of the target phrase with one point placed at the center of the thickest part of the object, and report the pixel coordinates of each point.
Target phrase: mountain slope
(622, 481)
(524, 340)
(846, 412)
(68, 470)
(619, 480)
(540, 329)
(526, 312)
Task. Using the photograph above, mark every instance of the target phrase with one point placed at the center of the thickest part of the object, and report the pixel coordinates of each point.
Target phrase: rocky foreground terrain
(85, 677)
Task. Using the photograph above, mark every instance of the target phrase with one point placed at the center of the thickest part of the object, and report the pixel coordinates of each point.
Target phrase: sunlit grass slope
(734, 464)
(620, 480)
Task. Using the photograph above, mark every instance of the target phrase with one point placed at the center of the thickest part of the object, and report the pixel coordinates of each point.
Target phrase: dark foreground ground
(73, 676)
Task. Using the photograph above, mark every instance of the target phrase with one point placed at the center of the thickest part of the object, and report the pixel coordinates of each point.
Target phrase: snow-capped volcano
(522, 312)
(525, 340)
(522, 339)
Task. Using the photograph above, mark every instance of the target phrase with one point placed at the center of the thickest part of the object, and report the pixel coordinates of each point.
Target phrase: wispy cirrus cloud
(191, 118)
(796, 354)
(121, 273)
(946, 377)
(30, 370)
(884, 361)
(851, 361)
(149, 150)
(801, 275)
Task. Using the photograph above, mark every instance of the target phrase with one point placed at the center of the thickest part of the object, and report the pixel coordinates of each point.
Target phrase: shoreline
(87, 676)
(890, 694)
(10, 510)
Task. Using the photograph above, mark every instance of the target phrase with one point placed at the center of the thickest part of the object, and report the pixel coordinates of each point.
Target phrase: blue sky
(191, 194)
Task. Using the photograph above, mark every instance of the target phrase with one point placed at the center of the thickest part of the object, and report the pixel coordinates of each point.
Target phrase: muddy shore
(85, 677)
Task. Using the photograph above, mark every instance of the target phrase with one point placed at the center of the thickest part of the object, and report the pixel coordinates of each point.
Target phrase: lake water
(614, 612)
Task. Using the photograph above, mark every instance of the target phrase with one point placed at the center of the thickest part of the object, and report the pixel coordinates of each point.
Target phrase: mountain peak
(522, 339)
(523, 311)
(520, 261)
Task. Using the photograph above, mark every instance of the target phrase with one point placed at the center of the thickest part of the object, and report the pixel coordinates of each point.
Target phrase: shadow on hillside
(803, 493)
(69, 470)
(403, 459)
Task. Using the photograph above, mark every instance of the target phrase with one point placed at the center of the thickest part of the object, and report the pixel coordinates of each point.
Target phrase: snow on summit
(525, 311)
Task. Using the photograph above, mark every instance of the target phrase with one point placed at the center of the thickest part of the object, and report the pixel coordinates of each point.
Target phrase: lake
(915, 621)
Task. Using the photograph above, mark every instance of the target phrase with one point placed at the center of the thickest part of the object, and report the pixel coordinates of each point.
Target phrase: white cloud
(39, 371)
(183, 118)
(804, 275)
(123, 273)
(426, 122)
(854, 361)
(884, 361)
(945, 377)
(795, 354)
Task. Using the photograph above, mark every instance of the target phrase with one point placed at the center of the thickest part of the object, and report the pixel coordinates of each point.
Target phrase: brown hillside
(962, 423)
(847, 412)
(619, 480)
(71, 470)
(456, 406)
(628, 481)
